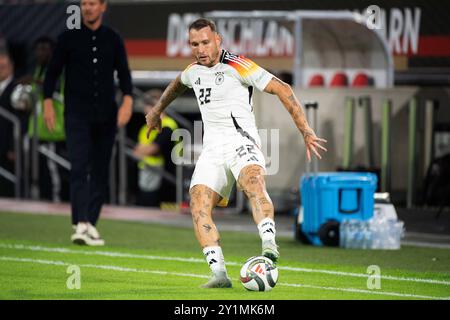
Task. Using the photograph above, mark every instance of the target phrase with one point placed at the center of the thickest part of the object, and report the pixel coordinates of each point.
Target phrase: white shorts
(219, 165)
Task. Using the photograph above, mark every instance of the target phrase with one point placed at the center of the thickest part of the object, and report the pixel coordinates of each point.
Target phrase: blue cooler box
(330, 197)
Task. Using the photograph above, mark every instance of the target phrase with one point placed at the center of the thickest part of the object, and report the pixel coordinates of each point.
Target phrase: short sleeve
(252, 74)
(185, 77)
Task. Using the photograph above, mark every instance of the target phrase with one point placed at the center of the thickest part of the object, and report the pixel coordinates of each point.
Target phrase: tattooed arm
(295, 109)
(173, 90)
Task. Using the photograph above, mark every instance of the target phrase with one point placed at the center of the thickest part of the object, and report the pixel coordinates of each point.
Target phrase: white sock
(267, 229)
(214, 258)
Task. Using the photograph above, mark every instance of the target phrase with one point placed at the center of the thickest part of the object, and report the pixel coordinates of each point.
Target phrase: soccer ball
(259, 274)
(23, 98)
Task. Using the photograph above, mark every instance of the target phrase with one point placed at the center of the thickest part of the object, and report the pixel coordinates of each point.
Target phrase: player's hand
(153, 120)
(49, 114)
(312, 144)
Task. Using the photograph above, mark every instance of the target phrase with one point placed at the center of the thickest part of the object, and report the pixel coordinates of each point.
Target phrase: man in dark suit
(89, 57)
(6, 127)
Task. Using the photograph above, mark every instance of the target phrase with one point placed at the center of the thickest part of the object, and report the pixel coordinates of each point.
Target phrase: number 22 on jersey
(205, 96)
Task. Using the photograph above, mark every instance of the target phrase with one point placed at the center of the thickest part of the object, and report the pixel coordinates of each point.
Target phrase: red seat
(317, 80)
(340, 79)
(360, 80)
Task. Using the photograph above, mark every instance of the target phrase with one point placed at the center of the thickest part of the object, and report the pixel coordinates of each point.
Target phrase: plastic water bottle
(343, 233)
(367, 236)
(363, 244)
(389, 234)
(355, 234)
(388, 230)
(352, 234)
(348, 233)
(376, 233)
(359, 236)
(383, 234)
(396, 230)
(349, 239)
(354, 240)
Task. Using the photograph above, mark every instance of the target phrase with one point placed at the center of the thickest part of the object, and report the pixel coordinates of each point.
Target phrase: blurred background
(381, 79)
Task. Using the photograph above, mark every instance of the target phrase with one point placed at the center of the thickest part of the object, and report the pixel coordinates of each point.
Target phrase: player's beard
(212, 60)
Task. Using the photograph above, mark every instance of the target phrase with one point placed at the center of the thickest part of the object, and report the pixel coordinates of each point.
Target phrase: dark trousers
(89, 145)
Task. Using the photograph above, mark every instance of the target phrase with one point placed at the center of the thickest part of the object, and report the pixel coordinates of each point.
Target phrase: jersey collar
(222, 55)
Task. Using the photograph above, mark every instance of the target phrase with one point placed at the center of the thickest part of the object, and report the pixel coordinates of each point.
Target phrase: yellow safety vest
(58, 133)
(157, 160)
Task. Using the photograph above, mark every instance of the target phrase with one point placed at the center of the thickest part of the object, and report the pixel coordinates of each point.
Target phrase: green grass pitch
(150, 261)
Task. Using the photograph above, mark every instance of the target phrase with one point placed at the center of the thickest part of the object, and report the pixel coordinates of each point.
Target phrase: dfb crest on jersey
(219, 78)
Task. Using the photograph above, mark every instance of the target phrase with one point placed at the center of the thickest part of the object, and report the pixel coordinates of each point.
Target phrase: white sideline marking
(195, 260)
(115, 268)
(362, 275)
(383, 293)
(124, 269)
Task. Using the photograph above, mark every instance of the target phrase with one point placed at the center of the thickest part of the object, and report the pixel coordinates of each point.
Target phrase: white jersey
(224, 94)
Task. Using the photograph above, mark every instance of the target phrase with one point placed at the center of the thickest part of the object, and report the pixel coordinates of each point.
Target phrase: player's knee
(254, 186)
(252, 178)
(195, 194)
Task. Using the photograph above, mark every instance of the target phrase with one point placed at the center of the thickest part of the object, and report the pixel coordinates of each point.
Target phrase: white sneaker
(80, 236)
(218, 280)
(94, 236)
(270, 250)
(87, 234)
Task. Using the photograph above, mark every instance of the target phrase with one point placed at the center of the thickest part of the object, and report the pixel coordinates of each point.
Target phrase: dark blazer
(89, 59)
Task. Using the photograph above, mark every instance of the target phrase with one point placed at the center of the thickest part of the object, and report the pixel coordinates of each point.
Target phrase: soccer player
(223, 84)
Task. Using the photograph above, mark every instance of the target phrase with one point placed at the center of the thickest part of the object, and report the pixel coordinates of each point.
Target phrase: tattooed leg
(203, 200)
(251, 181)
